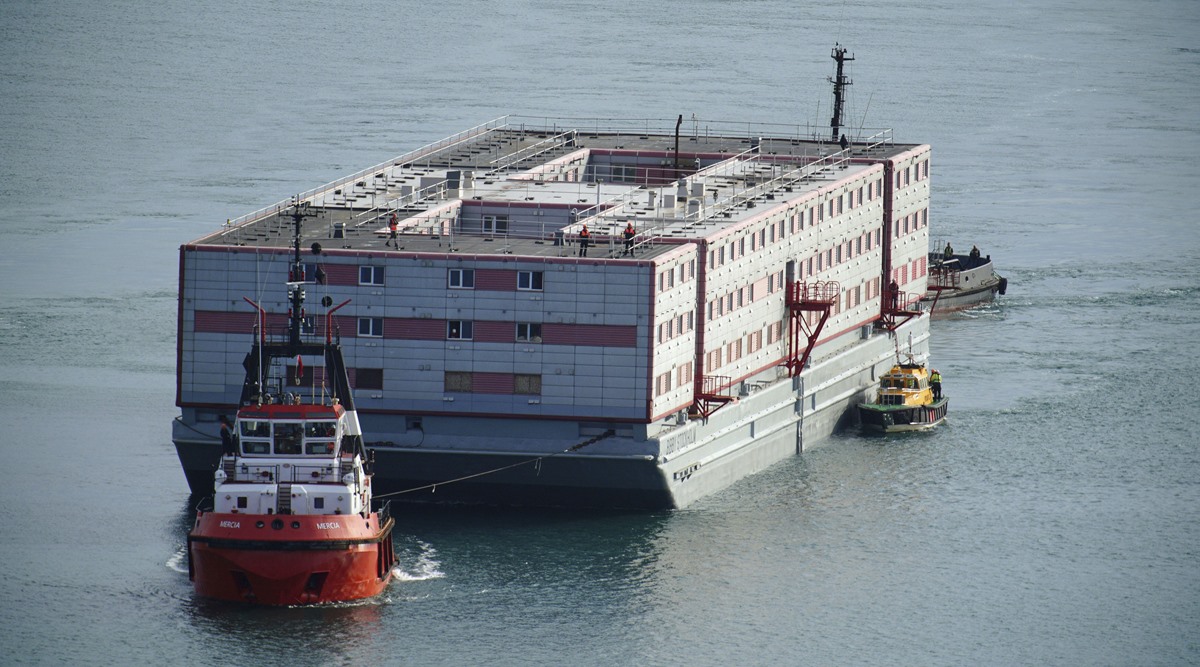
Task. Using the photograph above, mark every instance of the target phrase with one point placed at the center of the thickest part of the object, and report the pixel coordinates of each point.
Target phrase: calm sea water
(1053, 520)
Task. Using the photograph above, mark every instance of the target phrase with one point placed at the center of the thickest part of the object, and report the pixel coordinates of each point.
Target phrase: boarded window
(527, 384)
(458, 381)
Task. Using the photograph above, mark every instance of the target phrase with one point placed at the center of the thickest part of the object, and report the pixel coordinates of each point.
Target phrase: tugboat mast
(296, 277)
(839, 83)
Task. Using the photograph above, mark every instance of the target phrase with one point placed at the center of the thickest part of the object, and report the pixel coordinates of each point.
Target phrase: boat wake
(423, 565)
(178, 560)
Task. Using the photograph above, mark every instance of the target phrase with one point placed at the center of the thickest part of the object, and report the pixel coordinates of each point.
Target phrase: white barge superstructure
(768, 275)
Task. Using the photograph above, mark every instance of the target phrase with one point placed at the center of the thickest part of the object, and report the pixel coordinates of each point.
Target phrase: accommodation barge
(737, 293)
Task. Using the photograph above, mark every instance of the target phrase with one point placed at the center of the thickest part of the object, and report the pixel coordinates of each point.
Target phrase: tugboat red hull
(280, 559)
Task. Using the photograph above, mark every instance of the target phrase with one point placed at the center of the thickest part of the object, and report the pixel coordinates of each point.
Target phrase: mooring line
(536, 460)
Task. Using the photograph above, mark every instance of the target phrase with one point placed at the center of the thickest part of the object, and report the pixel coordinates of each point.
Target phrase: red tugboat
(290, 521)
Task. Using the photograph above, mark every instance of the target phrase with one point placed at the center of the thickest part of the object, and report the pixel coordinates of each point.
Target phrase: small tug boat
(958, 282)
(908, 400)
(290, 521)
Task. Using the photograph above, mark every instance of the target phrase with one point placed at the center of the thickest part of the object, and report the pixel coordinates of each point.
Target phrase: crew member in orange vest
(584, 240)
(629, 234)
(392, 227)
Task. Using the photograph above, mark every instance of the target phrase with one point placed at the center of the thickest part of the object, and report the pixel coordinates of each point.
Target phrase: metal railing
(249, 473)
(411, 156)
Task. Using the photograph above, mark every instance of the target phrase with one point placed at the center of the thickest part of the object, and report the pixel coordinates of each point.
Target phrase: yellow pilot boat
(907, 401)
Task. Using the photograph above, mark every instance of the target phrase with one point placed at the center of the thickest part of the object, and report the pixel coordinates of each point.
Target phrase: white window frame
(370, 275)
(529, 332)
(530, 281)
(465, 330)
(460, 278)
(373, 328)
(495, 224)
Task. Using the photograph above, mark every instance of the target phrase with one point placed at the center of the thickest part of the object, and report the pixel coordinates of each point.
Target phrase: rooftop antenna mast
(839, 84)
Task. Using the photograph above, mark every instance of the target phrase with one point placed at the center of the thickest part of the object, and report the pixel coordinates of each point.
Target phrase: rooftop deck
(545, 179)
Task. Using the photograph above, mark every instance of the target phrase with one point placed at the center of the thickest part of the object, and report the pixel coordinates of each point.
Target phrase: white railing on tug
(280, 473)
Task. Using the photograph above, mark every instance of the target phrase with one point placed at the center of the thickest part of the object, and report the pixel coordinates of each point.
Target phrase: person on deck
(392, 223)
(948, 254)
(629, 234)
(228, 447)
(974, 255)
(935, 383)
(584, 240)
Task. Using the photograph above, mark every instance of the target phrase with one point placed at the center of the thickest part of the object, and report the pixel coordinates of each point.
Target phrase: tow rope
(535, 461)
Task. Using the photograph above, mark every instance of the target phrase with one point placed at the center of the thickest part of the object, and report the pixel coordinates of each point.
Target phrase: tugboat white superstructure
(738, 295)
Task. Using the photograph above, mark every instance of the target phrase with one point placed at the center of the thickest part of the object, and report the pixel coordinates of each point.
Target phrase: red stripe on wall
(497, 280)
(589, 334)
(414, 329)
(208, 321)
(341, 274)
(495, 332)
(492, 383)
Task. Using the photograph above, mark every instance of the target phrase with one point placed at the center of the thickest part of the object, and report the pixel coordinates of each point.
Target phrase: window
(368, 378)
(683, 374)
(529, 332)
(462, 279)
(370, 275)
(458, 329)
(622, 174)
(527, 384)
(529, 280)
(371, 327)
(663, 383)
(457, 381)
(495, 224)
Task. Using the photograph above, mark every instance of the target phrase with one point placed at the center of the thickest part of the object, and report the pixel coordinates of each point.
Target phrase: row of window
(678, 377)
(492, 383)
(842, 252)
(798, 220)
(525, 332)
(807, 268)
(457, 381)
(911, 271)
(676, 275)
(911, 223)
(738, 298)
(455, 278)
(465, 279)
(676, 326)
(919, 171)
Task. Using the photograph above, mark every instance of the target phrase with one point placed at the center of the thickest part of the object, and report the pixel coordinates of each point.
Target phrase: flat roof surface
(554, 177)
